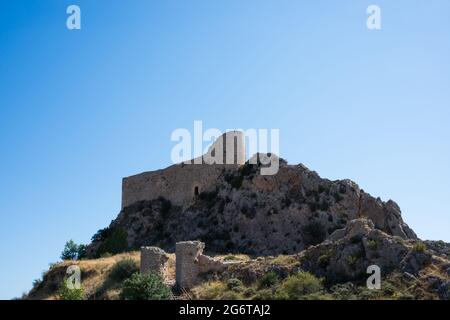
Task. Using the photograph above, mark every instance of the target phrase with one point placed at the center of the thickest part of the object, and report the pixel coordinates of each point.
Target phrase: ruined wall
(153, 259)
(191, 263)
(176, 183)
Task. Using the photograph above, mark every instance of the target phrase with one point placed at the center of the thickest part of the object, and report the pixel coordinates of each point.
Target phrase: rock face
(243, 211)
(349, 251)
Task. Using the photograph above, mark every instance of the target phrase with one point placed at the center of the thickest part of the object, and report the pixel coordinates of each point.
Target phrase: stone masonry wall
(190, 263)
(177, 183)
(153, 259)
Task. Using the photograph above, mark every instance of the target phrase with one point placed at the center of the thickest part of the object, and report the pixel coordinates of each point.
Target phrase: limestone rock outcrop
(349, 251)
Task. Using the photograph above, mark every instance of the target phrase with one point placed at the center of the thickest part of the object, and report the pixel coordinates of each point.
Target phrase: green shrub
(81, 251)
(351, 260)
(323, 189)
(145, 287)
(344, 291)
(249, 292)
(404, 296)
(298, 286)
(231, 295)
(66, 293)
(372, 244)
(265, 294)
(248, 169)
(101, 234)
(36, 283)
(166, 205)
(105, 255)
(115, 243)
(123, 269)
(419, 246)
(210, 197)
(314, 233)
(234, 180)
(212, 290)
(269, 280)
(230, 258)
(368, 294)
(318, 296)
(323, 261)
(234, 284)
(388, 288)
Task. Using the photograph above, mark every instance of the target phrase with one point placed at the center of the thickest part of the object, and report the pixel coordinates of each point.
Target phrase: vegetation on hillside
(117, 277)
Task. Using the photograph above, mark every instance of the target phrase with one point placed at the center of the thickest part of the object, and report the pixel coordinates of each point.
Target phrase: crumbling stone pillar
(187, 253)
(191, 262)
(153, 259)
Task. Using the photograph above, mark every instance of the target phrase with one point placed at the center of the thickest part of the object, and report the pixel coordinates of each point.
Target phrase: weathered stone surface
(353, 249)
(191, 263)
(153, 259)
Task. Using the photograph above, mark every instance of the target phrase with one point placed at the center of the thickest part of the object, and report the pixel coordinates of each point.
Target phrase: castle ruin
(181, 183)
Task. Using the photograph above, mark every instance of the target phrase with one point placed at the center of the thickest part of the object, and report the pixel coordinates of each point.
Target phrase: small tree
(145, 287)
(314, 233)
(70, 251)
(73, 251)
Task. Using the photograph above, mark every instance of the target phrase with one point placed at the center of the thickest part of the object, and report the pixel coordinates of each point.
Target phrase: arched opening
(196, 191)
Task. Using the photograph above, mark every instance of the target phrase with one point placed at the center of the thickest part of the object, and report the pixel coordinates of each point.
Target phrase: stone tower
(228, 149)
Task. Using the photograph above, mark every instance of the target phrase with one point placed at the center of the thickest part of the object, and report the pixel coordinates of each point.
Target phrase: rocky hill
(253, 214)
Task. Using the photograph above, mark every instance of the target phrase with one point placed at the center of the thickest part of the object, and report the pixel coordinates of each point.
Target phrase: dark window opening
(196, 191)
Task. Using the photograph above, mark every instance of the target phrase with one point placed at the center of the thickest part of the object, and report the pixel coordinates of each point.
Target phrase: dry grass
(285, 261)
(93, 274)
(233, 257)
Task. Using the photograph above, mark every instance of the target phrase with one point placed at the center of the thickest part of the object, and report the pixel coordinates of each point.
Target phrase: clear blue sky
(79, 110)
